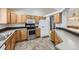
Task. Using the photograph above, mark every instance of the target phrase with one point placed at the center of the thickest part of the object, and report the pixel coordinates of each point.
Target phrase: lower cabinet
(37, 32)
(21, 35)
(13, 41)
(18, 35)
(55, 38)
(10, 43)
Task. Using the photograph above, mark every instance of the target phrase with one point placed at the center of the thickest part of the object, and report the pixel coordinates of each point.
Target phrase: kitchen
(31, 29)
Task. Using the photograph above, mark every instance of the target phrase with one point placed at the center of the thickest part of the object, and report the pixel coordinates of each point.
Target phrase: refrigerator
(44, 25)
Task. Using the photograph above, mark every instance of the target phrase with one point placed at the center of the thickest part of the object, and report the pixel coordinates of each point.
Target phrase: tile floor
(36, 44)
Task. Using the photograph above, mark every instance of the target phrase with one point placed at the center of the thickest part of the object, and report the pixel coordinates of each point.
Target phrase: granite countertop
(9, 33)
(70, 41)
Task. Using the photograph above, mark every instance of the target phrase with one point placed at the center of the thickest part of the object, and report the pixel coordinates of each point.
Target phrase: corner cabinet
(4, 16)
(58, 18)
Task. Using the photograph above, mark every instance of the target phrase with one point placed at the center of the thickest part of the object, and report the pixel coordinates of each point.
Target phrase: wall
(66, 14)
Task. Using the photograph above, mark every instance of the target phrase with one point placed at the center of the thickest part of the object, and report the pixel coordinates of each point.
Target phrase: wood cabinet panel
(37, 32)
(13, 18)
(10, 43)
(24, 19)
(18, 35)
(13, 41)
(19, 19)
(57, 18)
(36, 19)
(23, 35)
(55, 38)
(4, 16)
(8, 16)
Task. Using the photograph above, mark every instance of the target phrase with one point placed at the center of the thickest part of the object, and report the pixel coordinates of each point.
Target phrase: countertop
(70, 41)
(74, 30)
(10, 32)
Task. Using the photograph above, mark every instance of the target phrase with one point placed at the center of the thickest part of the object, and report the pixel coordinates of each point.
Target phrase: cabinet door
(57, 39)
(13, 18)
(3, 16)
(24, 18)
(53, 36)
(18, 35)
(8, 16)
(37, 19)
(57, 18)
(8, 45)
(23, 34)
(19, 19)
(13, 39)
(37, 32)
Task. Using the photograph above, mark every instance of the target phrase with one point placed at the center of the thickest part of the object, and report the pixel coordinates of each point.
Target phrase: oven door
(31, 34)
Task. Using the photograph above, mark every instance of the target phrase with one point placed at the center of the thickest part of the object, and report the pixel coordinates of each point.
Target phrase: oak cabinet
(19, 19)
(21, 35)
(24, 19)
(11, 41)
(37, 18)
(8, 44)
(55, 38)
(37, 32)
(29, 17)
(4, 16)
(57, 18)
(8, 16)
(18, 35)
(13, 18)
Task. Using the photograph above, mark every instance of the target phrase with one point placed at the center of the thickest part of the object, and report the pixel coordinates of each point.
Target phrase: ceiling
(36, 11)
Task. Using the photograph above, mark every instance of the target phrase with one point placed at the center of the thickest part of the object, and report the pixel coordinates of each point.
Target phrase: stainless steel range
(31, 30)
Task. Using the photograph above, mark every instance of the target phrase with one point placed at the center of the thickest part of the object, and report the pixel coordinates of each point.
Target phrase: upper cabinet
(57, 18)
(4, 16)
(8, 16)
(13, 18)
(19, 18)
(37, 18)
(24, 19)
